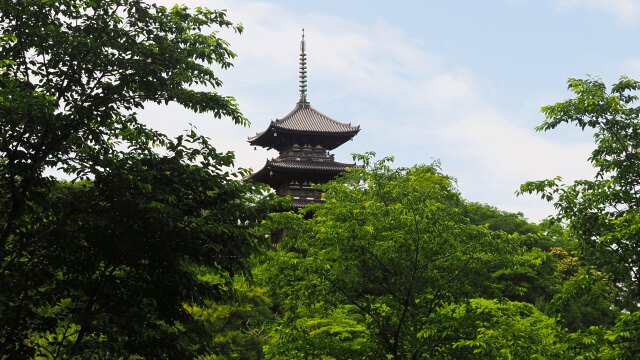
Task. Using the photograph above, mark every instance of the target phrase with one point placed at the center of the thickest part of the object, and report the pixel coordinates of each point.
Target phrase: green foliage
(396, 265)
(603, 213)
(544, 273)
(129, 248)
(623, 338)
(617, 342)
(496, 220)
(488, 329)
(114, 263)
(391, 246)
(585, 299)
(145, 253)
(320, 332)
(529, 276)
(235, 329)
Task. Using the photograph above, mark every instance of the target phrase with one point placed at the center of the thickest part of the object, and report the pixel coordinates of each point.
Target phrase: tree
(496, 220)
(604, 213)
(491, 329)
(73, 72)
(234, 329)
(396, 264)
(387, 249)
(107, 265)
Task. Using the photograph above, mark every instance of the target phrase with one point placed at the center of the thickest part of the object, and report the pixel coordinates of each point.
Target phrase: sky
(459, 82)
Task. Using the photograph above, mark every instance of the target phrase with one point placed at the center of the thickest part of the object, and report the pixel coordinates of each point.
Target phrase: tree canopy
(396, 264)
(602, 214)
(111, 263)
(154, 247)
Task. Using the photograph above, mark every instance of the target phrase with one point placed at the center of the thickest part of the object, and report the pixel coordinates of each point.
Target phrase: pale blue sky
(458, 81)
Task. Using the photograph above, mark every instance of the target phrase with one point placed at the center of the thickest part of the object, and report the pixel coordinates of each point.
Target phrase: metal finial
(303, 72)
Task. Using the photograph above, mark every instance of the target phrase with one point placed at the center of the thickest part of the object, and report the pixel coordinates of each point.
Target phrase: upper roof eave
(304, 119)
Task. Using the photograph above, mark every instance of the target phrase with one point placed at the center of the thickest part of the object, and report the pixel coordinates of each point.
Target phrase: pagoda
(303, 139)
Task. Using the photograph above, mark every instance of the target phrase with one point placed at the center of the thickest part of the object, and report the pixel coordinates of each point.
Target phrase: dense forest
(151, 247)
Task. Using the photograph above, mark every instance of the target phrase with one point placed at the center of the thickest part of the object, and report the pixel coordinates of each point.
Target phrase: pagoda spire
(303, 139)
(303, 73)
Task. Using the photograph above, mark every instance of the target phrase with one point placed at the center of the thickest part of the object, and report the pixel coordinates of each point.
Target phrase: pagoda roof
(324, 170)
(305, 120)
(300, 203)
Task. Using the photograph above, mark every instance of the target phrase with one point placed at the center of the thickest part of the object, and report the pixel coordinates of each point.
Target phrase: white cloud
(504, 155)
(632, 68)
(626, 12)
(408, 103)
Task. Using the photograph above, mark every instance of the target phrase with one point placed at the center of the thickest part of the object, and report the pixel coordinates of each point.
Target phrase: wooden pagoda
(303, 138)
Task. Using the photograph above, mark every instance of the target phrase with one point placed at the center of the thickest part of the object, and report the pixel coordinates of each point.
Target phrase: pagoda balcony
(303, 193)
(307, 156)
(307, 152)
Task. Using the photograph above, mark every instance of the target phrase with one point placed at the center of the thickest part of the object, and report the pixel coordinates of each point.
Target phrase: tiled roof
(307, 165)
(305, 118)
(325, 169)
(300, 203)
